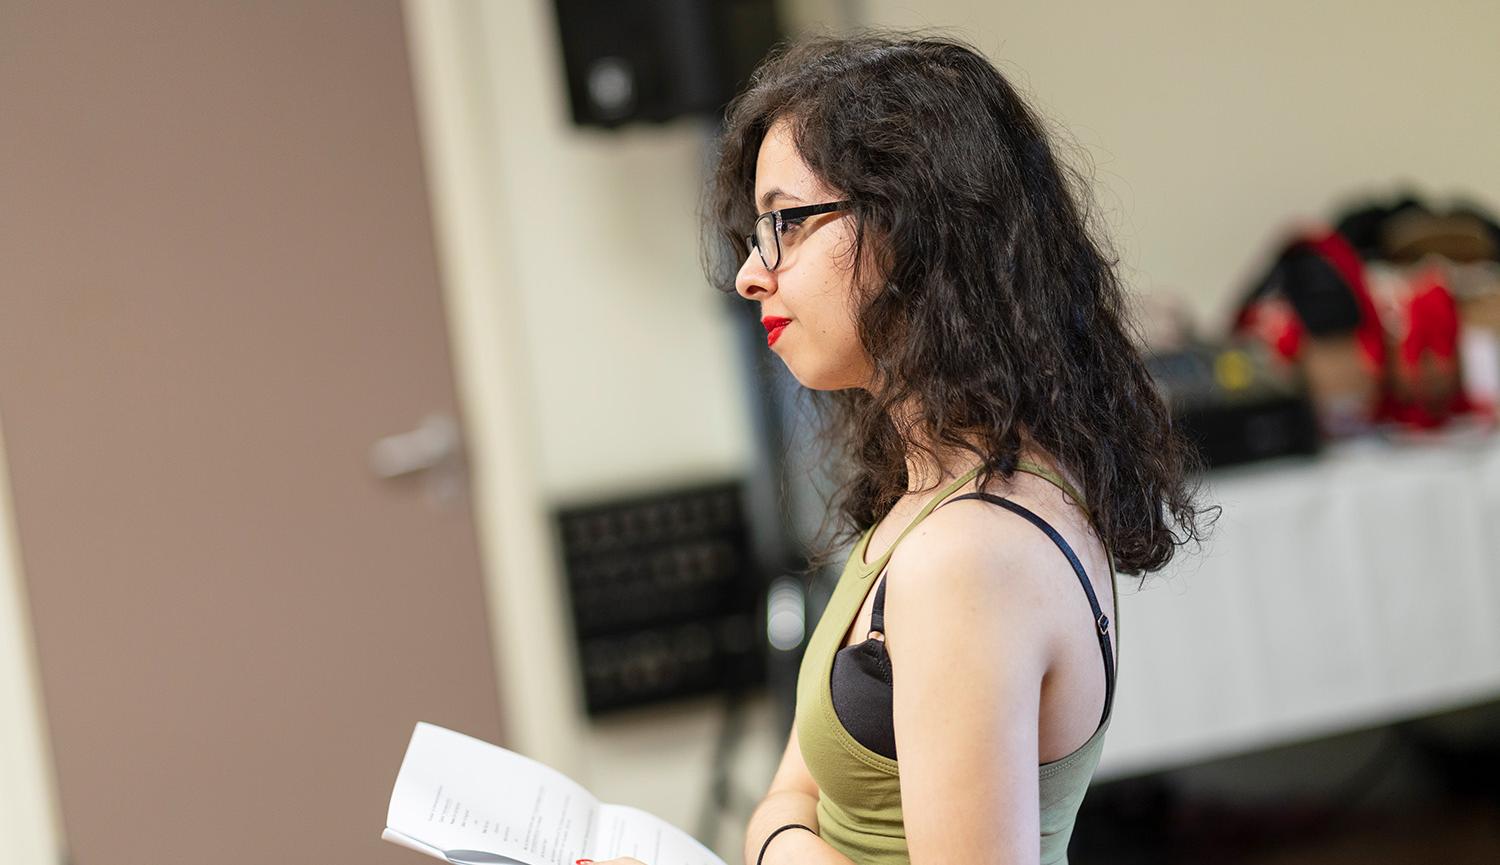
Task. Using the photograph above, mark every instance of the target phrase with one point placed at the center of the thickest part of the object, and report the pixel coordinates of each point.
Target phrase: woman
(918, 254)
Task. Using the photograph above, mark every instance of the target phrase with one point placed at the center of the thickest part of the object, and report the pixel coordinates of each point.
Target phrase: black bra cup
(861, 690)
(861, 685)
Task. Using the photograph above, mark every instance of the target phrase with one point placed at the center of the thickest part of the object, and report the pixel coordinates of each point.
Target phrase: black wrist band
(761, 858)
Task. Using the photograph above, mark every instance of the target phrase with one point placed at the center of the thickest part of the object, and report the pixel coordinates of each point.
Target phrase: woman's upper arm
(968, 636)
(792, 774)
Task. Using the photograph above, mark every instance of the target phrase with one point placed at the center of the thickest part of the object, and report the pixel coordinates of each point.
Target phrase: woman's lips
(774, 325)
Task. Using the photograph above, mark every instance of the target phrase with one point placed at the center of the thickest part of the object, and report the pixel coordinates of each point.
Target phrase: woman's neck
(924, 473)
(928, 465)
(933, 467)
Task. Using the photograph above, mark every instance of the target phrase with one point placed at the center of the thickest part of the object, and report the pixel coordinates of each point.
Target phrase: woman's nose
(754, 281)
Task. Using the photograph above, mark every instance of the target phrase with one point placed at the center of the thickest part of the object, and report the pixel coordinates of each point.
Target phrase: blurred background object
(1235, 401)
(663, 593)
(657, 60)
(337, 336)
(1376, 332)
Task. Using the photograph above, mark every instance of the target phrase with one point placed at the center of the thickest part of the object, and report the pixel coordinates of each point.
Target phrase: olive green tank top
(859, 798)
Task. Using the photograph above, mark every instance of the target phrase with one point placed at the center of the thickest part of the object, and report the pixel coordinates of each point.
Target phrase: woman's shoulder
(975, 544)
(980, 527)
(966, 592)
(975, 552)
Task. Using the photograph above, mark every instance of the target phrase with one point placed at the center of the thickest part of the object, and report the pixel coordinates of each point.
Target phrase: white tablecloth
(1335, 593)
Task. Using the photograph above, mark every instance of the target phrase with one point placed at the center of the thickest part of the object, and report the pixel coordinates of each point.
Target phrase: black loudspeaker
(653, 60)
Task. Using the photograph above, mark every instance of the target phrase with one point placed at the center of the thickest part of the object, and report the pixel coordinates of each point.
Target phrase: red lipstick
(774, 325)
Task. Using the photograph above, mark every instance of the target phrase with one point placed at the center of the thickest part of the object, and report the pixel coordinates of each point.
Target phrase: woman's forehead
(780, 171)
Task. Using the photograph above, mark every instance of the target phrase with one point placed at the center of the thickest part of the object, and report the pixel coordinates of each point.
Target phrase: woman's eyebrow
(771, 195)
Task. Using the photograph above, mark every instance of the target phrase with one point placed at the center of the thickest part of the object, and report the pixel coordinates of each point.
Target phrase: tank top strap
(877, 614)
(876, 566)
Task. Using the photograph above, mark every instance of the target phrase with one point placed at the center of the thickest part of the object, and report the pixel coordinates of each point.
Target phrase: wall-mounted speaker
(653, 60)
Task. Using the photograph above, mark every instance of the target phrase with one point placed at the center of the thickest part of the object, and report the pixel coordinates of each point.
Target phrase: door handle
(433, 451)
(435, 442)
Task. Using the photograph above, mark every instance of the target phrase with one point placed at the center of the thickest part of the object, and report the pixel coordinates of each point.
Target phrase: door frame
(30, 816)
(461, 148)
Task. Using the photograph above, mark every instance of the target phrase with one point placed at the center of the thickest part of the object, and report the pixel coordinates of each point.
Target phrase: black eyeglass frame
(778, 220)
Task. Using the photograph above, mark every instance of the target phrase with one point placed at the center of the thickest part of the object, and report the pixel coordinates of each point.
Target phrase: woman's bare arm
(792, 798)
(969, 634)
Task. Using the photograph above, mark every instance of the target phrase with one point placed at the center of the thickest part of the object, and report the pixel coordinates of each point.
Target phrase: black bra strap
(1101, 621)
(877, 615)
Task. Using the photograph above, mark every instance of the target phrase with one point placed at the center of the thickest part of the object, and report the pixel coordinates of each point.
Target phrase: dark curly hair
(990, 306)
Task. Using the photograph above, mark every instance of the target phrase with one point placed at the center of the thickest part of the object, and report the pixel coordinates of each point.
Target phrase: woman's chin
(822, 379)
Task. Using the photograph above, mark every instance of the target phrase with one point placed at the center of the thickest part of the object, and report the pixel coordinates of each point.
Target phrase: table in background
(1335, 593)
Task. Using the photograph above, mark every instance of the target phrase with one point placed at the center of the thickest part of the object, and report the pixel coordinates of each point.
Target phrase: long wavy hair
(991, 306)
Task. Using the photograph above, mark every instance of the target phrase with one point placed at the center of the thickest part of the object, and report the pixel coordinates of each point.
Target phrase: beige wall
(1211, 124)
(627, 352)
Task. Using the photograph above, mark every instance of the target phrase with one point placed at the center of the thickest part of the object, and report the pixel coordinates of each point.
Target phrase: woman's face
(813, 283)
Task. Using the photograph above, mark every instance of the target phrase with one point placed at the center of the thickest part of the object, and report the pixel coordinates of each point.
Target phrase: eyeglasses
(769, 226)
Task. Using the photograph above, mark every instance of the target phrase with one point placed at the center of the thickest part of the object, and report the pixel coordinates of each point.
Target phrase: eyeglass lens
(767, 242)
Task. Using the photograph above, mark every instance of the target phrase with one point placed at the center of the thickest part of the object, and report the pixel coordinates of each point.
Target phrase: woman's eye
(791, 224)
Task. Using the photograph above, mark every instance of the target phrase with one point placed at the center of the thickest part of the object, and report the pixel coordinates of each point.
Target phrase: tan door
(218, 289)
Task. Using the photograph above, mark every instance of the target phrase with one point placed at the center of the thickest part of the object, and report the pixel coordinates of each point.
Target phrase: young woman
(918, 253)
